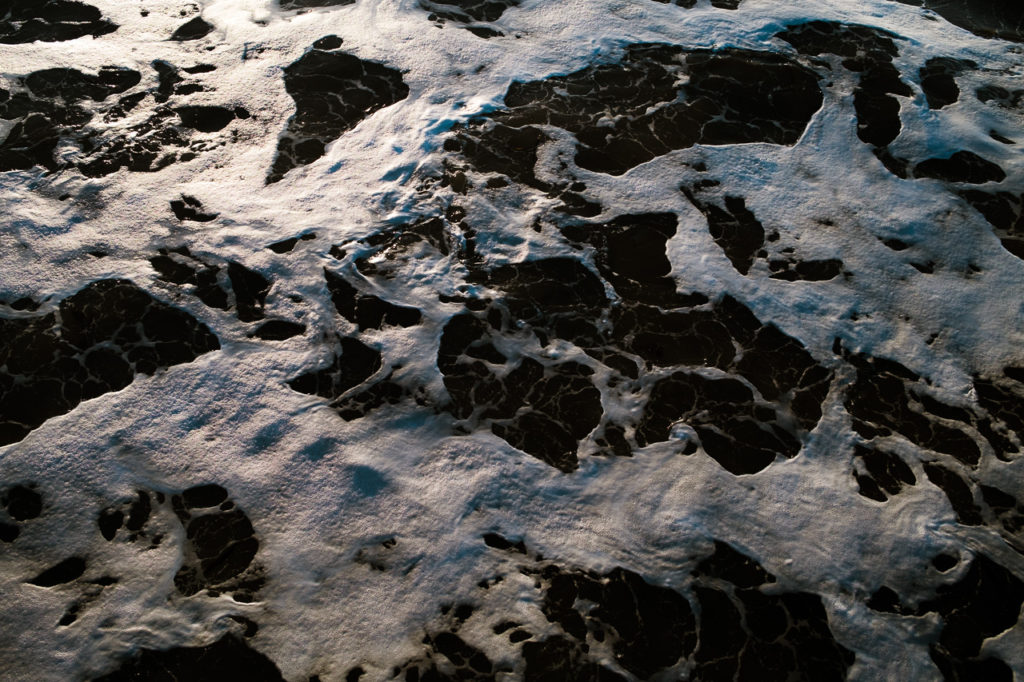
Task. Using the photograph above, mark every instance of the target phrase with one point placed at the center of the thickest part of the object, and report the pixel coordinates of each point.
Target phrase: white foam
(291, 463)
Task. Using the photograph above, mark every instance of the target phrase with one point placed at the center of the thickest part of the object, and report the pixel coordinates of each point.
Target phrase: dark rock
(614, 440)
(452, 652)
(958, 492)
(938, 80)
(869, 488)
(631, 255)
(132, 516)
(1003, 399)
(962, 166)
(1003, 19)
(988, 669)
(333, 92)
(1005, 515)
(331, 42)
(224, 544)
(774, 363)
(1000, 96)
(220, 545)
(25, 303)
(30, 142)
(650, 627)
(732, 427)
(108, 332)
(22, 503)
(944, 562)
(139, 511)
(749, 635)
(72, 86)
(168, 78)
(868, 52)
(554, 292)
(26, 21)
(190, 208)
(205, 119)
(250, 289)
(558, 659)
(740, 633)
(468, 12)
(278, 330)
(885, 600)
(882, 473)
(806, 271)
(145, 147)
(358, 405)
(504, 627)
(124, 105)
(727, 563)
(369, 312)
(982, 604)
(220, 548)
(733, 227)
(883, 399)
(484, 31)
(356, 363)
(1005, 212)
(52, 105)
(862, 45)
(229, 658)
(564, 406)
(286, 245)
(561, 298)
(461, 654)
(878, 116)
(499, 542)
(202, 496)
(728, 97)
(64, 572)
(193, 29)
(110, 521)
(179, 266)
(742, 237)
(898, 166)
(745, 629)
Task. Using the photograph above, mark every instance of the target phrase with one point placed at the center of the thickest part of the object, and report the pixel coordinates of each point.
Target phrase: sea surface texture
(555, 341)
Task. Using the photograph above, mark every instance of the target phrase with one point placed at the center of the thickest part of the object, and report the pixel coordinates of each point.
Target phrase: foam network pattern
(96, 341)
(498, 340)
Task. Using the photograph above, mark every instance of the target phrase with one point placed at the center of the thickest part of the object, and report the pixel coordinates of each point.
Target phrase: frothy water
(610, 340)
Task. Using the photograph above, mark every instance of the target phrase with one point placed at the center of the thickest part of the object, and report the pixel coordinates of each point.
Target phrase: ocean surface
(591, 340)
